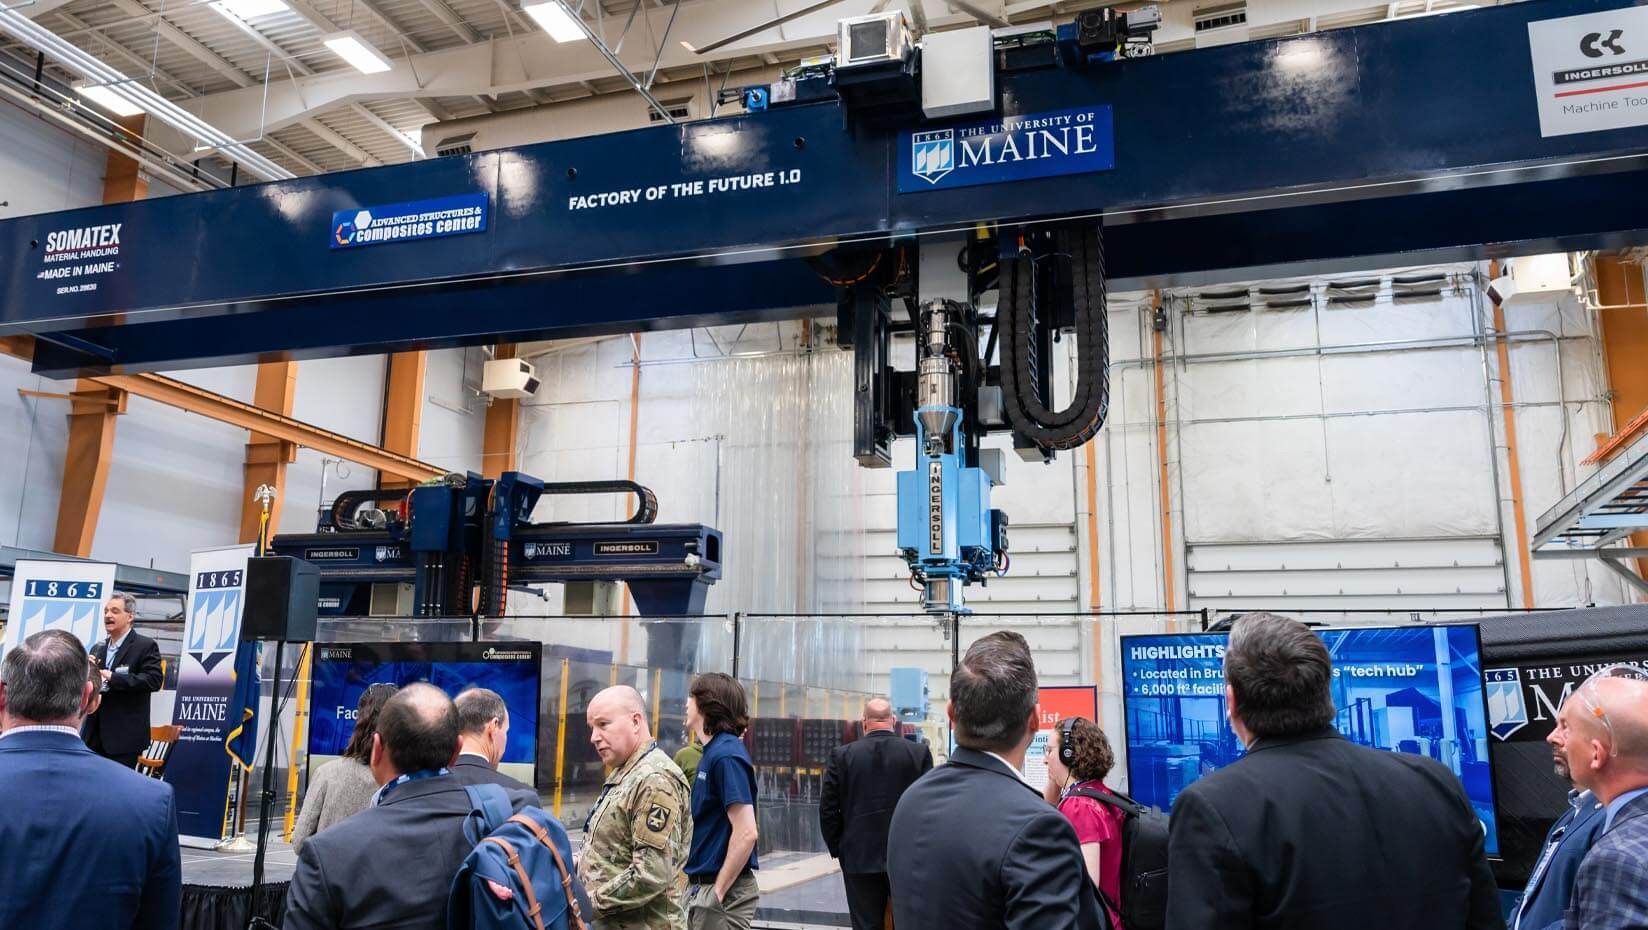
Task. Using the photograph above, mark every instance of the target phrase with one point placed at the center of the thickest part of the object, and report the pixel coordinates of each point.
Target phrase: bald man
(392, 864)
(1606, 729)
(862, 785)
(639, 832)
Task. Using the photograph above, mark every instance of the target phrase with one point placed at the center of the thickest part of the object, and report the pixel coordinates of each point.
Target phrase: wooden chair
(153, 760)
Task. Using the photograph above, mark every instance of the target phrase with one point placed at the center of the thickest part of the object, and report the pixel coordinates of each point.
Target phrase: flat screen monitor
(343, 671)
(1415, 689)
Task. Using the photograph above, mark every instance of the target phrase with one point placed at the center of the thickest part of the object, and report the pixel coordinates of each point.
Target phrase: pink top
(1101, 824)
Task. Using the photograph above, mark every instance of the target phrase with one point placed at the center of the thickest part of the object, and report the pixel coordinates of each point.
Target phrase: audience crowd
(1305, 830)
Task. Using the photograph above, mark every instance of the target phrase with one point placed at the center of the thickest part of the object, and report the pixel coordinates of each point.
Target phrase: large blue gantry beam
(1403, 142)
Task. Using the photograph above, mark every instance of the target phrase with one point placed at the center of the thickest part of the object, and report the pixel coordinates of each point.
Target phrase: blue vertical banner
(216, 685)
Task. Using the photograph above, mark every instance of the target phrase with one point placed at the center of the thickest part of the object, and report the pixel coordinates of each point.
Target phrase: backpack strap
(532, 905)
(489, 807)
(1116, 800)
(560, 865)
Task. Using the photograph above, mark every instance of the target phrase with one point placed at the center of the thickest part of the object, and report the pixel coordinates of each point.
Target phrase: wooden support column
(403, 397)
(93, 407)
(1625, 347)
(1513, 465)
(1165, 491)
(502, 426)
(123, 179)
(268, 456)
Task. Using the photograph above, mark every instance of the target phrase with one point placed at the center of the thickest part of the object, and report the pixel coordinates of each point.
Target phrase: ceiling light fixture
(103, 96)
(555, 20)
(249, 9)
(360, 54)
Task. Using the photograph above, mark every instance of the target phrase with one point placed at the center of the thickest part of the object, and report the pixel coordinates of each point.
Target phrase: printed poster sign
(1523, 700)
(1055, 703)
(409, 222)
(1010, 148)
(1591, 71)
(49, 595)
(198, 768)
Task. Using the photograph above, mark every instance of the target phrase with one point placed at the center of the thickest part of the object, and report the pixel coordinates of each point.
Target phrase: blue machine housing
(433, 549)
(668, 567)
(1225, 158)
(946, 528)
(350, 564)
(461, 533)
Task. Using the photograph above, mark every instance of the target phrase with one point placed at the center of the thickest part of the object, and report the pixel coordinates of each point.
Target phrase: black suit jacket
(862, 785)
(1315, 832)
(121, 724)
(388, 867)
(973, 846)
(472, 771)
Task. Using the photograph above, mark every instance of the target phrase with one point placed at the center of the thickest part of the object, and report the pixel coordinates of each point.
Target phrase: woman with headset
(1078, 759)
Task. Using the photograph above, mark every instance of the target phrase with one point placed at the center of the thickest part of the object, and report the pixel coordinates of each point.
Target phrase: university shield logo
(1507, 708)
(214, 631)
(932, 154)
(44, 613)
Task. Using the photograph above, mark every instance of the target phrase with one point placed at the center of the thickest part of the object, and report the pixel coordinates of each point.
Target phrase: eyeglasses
(1594, 707)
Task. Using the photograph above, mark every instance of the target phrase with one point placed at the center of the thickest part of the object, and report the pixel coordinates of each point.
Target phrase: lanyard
(408, 777)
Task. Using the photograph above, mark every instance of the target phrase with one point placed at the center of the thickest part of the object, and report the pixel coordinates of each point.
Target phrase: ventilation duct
(1286, 297)
(84, 65)
(1220, 16)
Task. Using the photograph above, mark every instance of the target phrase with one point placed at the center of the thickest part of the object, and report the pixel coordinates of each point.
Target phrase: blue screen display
(1403, 689)
(343, 672)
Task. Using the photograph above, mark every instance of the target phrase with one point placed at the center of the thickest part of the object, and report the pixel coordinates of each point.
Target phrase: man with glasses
(1605, 740)
(129, 664)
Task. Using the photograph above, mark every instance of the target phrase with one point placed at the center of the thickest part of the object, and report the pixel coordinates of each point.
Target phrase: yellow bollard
(657, 686)
(560, 738)
(300, 719)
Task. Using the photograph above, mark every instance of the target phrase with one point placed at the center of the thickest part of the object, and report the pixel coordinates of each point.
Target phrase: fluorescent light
(555, 20)
(249, 9)
(101, 95)
(349, 46)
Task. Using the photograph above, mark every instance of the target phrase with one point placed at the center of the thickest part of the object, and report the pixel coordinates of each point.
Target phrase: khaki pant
(734, 912)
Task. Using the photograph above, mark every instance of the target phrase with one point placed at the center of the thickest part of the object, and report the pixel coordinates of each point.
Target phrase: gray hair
(45, 677)
(477, 706)
(993, 691)
(1281, 675)
(126, 600)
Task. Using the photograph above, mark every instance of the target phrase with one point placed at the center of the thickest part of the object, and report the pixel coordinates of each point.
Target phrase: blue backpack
(516, 877)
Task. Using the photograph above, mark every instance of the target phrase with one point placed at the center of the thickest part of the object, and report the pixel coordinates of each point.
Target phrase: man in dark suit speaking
(130, 666)
(862, 785)
(973, 845)
(1311, 831)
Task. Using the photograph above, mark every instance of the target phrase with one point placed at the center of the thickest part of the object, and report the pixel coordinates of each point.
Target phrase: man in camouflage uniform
(637, 835)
